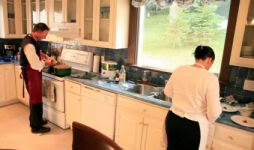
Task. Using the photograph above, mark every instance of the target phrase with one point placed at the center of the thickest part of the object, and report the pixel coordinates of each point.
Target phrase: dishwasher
(98, 108)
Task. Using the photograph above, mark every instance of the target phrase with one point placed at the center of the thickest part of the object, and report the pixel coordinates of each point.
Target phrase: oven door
(59, 95)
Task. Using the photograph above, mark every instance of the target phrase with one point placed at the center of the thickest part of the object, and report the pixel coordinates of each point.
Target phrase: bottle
(117, 77)
(144, 78)
(17, 56)
(122, 75)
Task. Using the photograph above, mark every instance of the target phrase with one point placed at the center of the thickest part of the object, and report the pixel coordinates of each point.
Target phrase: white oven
(54, 111)
(80, 61)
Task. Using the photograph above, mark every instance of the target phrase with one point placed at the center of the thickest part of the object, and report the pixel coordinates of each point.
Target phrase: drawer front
(72, 87)
(234, 137)
(99, 95)
(145, 110)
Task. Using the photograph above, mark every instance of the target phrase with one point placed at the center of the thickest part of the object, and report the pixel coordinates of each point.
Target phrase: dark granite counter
(225, 117)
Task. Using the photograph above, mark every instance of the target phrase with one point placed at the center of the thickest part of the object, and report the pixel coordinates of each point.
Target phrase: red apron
(34, 83)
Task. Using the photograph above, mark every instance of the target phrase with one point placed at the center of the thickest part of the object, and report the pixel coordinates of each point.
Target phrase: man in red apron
(30, 60)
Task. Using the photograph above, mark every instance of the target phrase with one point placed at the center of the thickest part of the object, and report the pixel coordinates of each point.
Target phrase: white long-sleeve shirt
(33, 58)
(194, 91)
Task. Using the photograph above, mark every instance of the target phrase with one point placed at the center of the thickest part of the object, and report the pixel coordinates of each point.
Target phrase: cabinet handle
(71, 87)
(144, 110)
(230, 137)
(141, 123)
(79, 99)
(213, 148)
(207, 146)
(145, 124)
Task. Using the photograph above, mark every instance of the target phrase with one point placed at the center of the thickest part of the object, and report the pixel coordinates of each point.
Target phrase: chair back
(87, 138)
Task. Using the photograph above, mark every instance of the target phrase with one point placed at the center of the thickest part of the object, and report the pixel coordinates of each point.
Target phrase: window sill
(160, 70)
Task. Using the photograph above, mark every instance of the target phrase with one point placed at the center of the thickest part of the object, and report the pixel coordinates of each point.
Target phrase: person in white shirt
(32, 64)
(195, 103)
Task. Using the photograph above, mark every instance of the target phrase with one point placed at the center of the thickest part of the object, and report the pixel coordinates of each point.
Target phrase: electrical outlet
(248, 85)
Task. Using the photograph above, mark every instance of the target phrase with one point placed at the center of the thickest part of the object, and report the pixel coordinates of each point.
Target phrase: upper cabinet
(243, 44)
(64, 13)
(24, 17)
(105, 23)
(38, 12)
(9, 19)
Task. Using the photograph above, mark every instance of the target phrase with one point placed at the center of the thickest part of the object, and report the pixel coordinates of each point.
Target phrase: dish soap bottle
(122, 75)
(144, 78)
(117, 77)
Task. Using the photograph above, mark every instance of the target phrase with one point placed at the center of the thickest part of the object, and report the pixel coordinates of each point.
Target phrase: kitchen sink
(148, 90)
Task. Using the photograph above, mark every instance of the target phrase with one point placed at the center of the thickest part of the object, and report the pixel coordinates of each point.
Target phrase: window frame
(225, 67)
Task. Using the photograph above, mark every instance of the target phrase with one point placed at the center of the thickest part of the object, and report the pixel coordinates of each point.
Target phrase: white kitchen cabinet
(105, 23)
(24, 17)
(139, 125)
(64, 13)
(72, 108)
(72, 102)
(8, 86)
(38, 12)
(243, 46)
(10, 18)
(19, 86)
(2, 84)
(216, 145)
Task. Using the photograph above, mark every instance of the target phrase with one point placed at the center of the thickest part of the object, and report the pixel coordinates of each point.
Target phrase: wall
(237, 77)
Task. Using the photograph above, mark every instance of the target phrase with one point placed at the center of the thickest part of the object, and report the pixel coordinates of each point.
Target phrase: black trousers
(36, 111)
(182, 133)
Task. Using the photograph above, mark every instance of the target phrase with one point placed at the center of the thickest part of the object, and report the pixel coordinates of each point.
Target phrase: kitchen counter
(107, 87)
(8, 62)
(225, 119)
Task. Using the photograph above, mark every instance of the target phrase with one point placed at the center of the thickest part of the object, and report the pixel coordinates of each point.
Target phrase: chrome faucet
(166, 81)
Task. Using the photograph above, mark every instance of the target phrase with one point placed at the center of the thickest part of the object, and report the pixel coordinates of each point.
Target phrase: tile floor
(15, 132)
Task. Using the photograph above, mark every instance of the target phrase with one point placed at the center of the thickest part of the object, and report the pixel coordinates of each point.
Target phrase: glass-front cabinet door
(88, 21)
(11, 18)
(24, 17)
(37, 12)
(65, 13)
(243, 45)
(104, 22)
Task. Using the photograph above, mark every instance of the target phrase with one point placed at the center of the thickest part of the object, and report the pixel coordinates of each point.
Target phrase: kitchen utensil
(83, 75)
(108, 68)
(62, 70)
(228, 108)
(243, 120)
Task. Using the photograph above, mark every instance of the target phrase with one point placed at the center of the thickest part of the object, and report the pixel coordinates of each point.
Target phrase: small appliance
(108, 69)
(9, 51)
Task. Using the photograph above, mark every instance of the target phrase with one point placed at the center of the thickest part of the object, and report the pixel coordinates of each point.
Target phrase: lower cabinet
(72, 102)
(225, 146)
(7, 84)
(19, 86)
(136, 127)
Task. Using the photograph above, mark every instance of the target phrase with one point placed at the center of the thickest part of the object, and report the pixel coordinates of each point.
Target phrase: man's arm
(33, 58)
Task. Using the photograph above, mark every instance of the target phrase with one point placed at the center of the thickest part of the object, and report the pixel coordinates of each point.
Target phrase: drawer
(145, 110)
(73, 87)
(233, 137)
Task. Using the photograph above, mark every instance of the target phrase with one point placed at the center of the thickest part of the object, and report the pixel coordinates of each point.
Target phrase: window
(167, 38)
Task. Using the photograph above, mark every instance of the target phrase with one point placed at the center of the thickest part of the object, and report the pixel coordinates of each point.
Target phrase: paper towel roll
(96, 63)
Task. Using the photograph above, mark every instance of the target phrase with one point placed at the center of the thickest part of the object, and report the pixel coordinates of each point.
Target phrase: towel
(48, 90)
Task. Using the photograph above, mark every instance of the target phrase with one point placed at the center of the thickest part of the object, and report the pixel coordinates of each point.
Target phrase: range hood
(59, 34)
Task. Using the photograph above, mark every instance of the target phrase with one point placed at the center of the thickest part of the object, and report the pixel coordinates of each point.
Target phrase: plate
(243, 120)
(228, 108)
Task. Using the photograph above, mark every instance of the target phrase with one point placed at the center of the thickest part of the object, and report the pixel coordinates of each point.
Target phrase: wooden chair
(86, 138)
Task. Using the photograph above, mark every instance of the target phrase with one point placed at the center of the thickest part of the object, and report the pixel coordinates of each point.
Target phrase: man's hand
(48, 62)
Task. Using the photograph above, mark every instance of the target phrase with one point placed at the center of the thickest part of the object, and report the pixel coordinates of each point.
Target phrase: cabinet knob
(231, 137)
(141, 123)
(144, 110)
(79, 99)
(145, 124)
(71, 87)
(213, 148)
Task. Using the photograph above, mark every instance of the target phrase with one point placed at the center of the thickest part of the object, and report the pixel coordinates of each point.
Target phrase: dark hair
(202, 52)
(40, 27)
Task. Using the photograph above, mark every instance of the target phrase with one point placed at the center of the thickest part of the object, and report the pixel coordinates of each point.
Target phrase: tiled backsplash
(237, 78)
